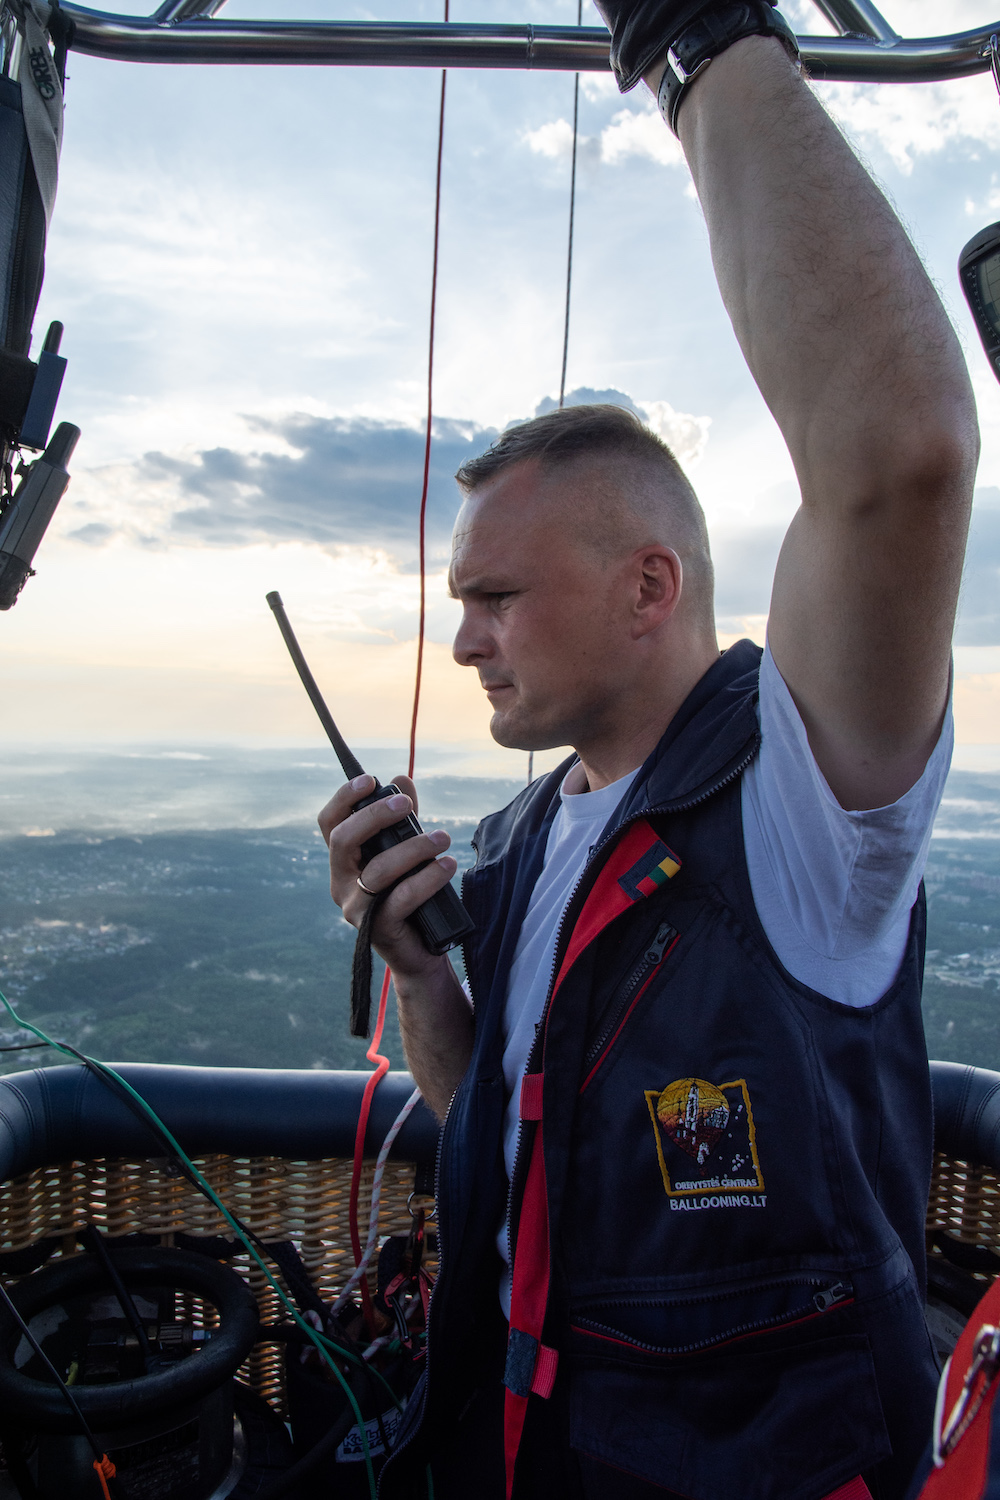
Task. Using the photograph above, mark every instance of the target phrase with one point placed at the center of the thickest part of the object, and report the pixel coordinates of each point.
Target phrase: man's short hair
(560, 437)
(646, 482)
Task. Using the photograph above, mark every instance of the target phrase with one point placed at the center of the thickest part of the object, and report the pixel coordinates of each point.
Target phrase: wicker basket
(305, 1202)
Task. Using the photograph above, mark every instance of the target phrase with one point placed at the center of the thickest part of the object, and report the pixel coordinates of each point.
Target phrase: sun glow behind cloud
(246, 313)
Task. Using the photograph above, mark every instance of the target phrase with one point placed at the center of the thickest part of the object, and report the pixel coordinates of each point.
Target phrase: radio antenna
(349, 761)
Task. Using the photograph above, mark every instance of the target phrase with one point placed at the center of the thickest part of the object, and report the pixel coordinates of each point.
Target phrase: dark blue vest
(737, 1167)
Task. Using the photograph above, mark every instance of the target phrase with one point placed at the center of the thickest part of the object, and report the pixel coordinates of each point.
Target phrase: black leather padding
(967, 1112)
(51, 1115)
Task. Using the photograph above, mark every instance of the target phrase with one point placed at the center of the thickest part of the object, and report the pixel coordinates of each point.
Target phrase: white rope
(381, 1159)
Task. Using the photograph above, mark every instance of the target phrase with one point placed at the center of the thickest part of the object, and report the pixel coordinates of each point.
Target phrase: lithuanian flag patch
(658, 865)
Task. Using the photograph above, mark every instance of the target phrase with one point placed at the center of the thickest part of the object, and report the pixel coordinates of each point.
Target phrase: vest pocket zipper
(663, 941)
(823, 1301)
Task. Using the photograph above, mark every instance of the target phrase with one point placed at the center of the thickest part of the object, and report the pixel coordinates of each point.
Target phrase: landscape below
(137, 938)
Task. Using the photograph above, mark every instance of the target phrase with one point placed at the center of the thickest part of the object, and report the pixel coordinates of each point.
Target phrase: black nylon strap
(715, 30)
(361, 971)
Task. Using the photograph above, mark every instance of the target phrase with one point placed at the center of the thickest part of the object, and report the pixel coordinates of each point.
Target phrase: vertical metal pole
(572, 215)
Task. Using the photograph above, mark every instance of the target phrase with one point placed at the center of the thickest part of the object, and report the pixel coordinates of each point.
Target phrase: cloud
(640, 133)
(340, 484)
(337, 482)
(745, 560)
(553, 139)
(632, 132)
(744, 570)
(685, 434)
(596, 87)
(93, 534)
(979, 608)
(330, 482)
(920, 120)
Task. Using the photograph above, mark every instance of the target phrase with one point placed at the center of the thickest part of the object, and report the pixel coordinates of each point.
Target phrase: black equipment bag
(30, 133)
(22, 227)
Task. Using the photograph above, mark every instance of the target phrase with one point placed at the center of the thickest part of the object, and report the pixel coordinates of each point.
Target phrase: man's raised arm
(854, 354)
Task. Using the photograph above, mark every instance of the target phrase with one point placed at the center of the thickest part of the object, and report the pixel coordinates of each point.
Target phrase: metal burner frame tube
(867, 49)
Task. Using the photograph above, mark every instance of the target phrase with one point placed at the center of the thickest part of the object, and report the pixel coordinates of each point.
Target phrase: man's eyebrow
(479, 587)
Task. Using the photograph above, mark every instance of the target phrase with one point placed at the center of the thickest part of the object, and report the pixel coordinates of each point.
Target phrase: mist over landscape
(172, 905)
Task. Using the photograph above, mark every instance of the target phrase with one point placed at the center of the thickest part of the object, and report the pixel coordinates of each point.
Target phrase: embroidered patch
(658, 865)
(706, 1143)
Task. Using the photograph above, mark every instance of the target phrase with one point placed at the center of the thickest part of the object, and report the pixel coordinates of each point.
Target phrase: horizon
(250, 395)
(103, 793)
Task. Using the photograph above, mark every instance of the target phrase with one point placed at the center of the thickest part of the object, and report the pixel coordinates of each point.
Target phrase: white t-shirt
(833, 889)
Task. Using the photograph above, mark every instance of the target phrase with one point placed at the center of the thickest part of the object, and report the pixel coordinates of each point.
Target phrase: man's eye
(500, 598)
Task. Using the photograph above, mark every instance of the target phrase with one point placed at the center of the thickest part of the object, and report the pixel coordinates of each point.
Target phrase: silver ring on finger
(365, 888)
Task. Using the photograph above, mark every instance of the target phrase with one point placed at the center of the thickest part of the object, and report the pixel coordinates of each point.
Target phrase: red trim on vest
(544, 1379)
(737, 1338)
(530, 1106)
(855, 1490)
(530, 1290)
(607, 900)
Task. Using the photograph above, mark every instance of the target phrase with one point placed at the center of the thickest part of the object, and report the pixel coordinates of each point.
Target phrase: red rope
(105, 1470)
(380, 1063)
(427, 439)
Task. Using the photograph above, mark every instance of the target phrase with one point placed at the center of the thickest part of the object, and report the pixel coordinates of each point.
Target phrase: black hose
(331, 1440)
(58, 1381)
(112, 1404)
(94, 1241)
(17, 1464)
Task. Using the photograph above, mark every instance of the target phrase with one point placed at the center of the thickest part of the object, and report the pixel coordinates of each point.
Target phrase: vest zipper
(822, 1301)
(515, 1174)
(439, 1153)
(649, 812)
(652, 957)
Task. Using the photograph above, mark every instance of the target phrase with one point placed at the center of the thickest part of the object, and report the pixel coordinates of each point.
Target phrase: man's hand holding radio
(434, 1015)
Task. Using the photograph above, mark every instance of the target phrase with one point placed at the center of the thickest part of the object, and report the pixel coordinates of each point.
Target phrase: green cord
(317, 1339)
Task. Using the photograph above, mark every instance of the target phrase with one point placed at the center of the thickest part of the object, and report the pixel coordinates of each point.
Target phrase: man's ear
(658, 579)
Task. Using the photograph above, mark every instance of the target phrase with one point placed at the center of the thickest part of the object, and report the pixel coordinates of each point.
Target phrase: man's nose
(472, 644)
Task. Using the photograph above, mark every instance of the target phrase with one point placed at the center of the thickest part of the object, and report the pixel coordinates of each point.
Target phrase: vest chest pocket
(626, 997)
(766, 1392)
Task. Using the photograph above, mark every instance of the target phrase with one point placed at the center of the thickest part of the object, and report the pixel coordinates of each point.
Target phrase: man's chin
(513, 734)
(506, 733)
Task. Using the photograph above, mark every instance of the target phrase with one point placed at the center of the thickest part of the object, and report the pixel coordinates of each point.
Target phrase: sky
(241, 258)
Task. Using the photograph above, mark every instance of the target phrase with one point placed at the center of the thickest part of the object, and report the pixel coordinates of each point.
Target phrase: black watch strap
(711, 33)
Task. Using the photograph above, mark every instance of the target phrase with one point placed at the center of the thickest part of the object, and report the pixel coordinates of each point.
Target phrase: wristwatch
(710, 34)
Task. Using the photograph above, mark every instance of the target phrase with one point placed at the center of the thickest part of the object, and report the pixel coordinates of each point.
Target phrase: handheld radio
(443, 921)
(979, 273)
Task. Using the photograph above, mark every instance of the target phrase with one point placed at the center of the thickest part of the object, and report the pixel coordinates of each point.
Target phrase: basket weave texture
(306, 1202)
(964, 1201)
